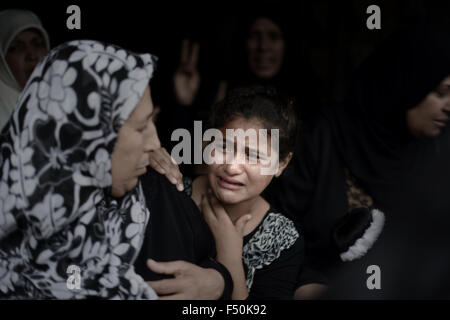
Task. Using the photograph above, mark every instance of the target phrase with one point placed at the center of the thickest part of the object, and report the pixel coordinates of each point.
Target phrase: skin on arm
(199, 189)
(310, 291)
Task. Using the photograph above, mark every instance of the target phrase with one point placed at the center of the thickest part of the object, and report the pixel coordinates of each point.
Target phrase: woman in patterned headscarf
(70, 159)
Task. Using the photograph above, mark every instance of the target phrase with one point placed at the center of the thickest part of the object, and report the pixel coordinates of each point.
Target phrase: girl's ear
(283, 164)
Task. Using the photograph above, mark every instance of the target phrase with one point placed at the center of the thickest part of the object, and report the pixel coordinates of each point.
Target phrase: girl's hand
(163, 163)
(228, 236)
(229, 239)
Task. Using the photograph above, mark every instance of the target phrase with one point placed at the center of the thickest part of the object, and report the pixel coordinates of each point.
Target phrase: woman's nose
(31, 54)
(264, 43)
(151, 139)
(152, 143)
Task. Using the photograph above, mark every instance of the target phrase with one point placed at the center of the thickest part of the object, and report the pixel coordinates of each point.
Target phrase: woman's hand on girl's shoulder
(163, 163)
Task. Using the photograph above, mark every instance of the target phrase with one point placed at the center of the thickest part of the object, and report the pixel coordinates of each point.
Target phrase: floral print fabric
(276, 234)
(55, 162)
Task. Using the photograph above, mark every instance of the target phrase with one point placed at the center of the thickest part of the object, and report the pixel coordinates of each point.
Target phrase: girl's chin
(226, 198)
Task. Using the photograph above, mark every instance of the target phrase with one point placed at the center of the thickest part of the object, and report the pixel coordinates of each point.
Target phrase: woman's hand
(187, 78)
(189, 281)
(163, 163)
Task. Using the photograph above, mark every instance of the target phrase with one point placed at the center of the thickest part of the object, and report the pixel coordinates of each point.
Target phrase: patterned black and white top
(272, 255)
(55, 160)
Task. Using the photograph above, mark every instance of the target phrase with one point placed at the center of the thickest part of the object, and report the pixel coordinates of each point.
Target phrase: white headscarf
(13, 22)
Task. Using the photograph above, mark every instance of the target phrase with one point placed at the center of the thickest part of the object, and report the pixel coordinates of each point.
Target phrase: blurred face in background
(24, 53)
(265, 47)
(429, 117)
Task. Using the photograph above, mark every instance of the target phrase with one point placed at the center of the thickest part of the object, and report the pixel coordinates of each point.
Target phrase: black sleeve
(176, 230)
(279, 279)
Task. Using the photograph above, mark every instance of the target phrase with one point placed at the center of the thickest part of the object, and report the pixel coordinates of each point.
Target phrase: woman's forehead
(29, 34)
(144, 107)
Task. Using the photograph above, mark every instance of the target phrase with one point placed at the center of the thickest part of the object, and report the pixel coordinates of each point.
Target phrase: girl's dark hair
(265, 103)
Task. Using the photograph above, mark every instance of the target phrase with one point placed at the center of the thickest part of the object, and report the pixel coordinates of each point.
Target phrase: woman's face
(24, 53)
(136, 138)
(430, 116)
(233, 181)
(265, 48)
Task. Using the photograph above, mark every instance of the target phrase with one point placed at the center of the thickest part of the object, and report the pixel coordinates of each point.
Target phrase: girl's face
(430, 116)
(233, 181)
(136, 138)
(265, 48)
(24, 53)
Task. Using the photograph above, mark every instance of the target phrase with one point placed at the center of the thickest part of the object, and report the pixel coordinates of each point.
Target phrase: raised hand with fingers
(163, 163)
(187, 78)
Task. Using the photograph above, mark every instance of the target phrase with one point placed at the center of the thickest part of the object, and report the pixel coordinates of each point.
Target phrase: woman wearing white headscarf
(70, 160)
(23, 42)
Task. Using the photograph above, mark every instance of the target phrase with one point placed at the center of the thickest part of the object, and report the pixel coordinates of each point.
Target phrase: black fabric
(408, 178)
(351, 227)
(312, 192)
(176, 231)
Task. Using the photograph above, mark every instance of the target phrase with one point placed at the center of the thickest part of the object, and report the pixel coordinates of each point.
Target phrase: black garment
(176, 231)
(408, 178)
(312, 192)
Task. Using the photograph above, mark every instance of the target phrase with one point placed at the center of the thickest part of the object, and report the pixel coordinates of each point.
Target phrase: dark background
(330, 37)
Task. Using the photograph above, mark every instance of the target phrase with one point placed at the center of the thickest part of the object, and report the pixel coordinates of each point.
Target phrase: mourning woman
(70, 193)
(392, 140)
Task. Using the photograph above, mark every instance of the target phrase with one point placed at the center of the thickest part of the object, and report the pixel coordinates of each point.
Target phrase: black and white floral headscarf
(55, 162)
